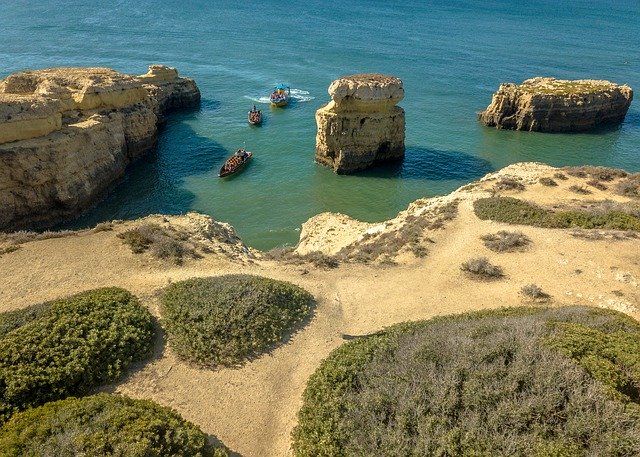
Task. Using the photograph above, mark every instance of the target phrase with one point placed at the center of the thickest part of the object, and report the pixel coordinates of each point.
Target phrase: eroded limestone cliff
(67, 134)
(362, 124)
(554, 105)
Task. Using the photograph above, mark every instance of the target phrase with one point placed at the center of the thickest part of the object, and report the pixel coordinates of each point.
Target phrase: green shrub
(481, 268)
(478, 384)
(504, 241)
(69, 346)
(579, 189)
(515, 211)
(225, 320)
(102, 425)
(162, 243)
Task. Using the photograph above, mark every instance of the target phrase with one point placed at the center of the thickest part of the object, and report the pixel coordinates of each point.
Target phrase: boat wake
(297, 95)
(301, 95)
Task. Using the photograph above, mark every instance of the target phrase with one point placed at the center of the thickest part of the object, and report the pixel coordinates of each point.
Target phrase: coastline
(254, 407)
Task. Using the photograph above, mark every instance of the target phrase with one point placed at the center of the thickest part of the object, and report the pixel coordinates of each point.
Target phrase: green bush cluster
(103, 425)
(162, 243)
(478, 384)
(227, 319)
(66, 347)
(515, 211)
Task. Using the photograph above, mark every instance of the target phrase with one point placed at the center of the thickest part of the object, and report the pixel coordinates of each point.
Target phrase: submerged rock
(556, 105)
(362, 125)
(67, 134)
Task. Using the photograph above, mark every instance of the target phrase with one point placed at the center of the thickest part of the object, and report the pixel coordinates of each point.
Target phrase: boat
(235, 163)
(254, 116)
(280, 95)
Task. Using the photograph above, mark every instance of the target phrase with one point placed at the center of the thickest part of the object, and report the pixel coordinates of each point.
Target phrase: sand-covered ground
(252, 409)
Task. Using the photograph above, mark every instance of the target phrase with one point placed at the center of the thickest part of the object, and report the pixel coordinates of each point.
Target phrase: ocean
(451, 57)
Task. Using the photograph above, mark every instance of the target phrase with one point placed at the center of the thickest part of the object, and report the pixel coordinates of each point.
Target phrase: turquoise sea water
(451, 56)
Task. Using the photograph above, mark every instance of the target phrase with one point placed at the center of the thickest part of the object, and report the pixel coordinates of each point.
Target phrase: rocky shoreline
(68, 134)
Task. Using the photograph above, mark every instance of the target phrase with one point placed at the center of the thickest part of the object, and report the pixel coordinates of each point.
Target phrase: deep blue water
(451, 57)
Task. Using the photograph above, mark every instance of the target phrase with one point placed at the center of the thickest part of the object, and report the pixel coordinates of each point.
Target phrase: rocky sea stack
(67, 134)
(556, 105)
(361, 125)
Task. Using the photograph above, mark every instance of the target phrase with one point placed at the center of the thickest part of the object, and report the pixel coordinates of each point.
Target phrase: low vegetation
(579, 190)
(481, 268)
(102, 425)
(410, 236)
(509, 183)
(534, 292)
(505, 241)
(66, 347)
(380, 247)
(162, 243)
(516, 381)
(629, 187)
(316, 258)
(9, 249)
(596, 173)
(549, 182)
(226, 320)
(515, 211)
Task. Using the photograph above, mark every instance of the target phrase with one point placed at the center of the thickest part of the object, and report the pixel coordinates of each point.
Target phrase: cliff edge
(555, 105)
(67, 134)
(361, 125)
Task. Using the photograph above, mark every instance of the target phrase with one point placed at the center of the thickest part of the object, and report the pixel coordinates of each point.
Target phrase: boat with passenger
(254, 116)
(235, 163)
(280, 95)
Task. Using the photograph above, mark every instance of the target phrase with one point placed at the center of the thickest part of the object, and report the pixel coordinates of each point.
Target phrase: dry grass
(384, 247)
(162, 243)
(596, 173)
(597, 184)
(481, 268)
(24, 236)
(508, 183)
(579, 190)
(535, 293)
(630, 186)
(546, 181)
(504, 241)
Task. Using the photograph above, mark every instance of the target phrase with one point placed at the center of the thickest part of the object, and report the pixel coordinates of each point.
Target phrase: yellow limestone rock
(557, 105)
(67, 134)
(361, 125)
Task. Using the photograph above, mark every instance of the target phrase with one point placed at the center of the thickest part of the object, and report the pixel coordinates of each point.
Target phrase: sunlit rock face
(361, 125)
(556, 105)
(67, 134)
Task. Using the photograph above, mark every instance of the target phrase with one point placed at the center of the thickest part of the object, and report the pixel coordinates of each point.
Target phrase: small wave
(263, 99)
(300, 95)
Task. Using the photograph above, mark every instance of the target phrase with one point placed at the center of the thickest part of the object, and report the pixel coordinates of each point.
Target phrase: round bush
(103, 425)
(518, 382)
(66, 347)
(224, 320)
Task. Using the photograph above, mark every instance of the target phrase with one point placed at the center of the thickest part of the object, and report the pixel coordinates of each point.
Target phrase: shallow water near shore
(451, 57)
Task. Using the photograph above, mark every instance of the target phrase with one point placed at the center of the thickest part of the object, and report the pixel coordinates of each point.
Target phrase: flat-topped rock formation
(67, 134)
(361, 125)
(556, 105)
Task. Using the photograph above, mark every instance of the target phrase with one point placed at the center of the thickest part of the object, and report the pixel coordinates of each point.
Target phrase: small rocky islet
(557, 105)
